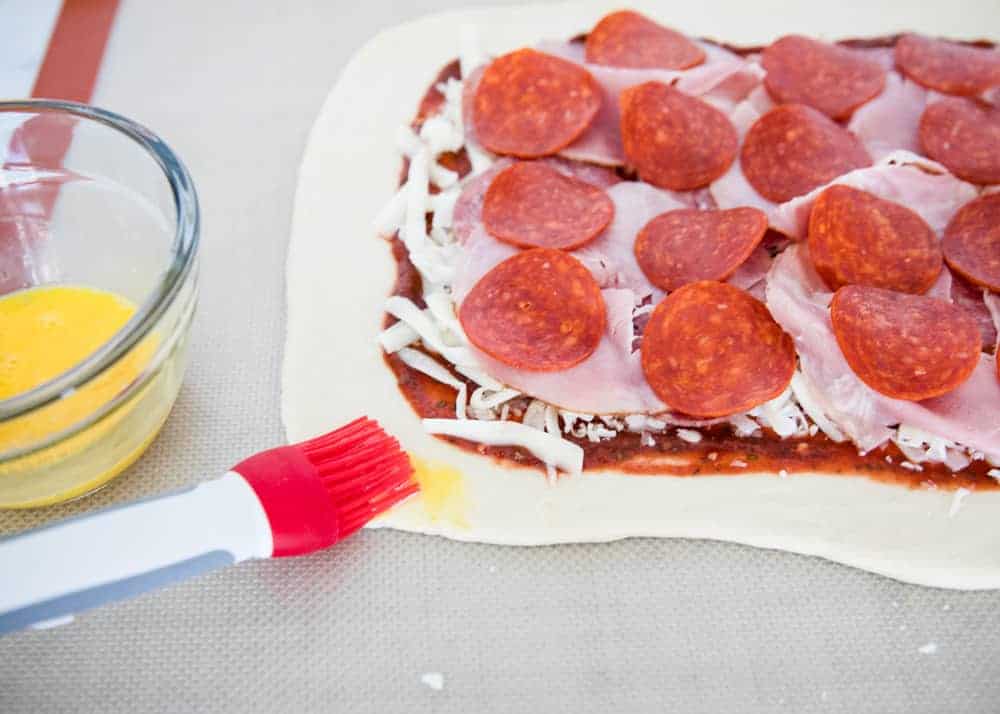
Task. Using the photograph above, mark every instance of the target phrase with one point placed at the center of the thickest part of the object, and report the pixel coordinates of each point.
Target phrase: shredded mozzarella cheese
(483, 398)
(441, 307)
(443, 206)
(919, 446)
(414, 231)
(423, 325)
(479, 159)
(434, 369)
(407, 141)
(613, 422)
(782, 415)
(641, 422)
(563, 455)
(435, 264)
(571, 418)
(423, 362)
(956, 501)
(534, 415)
(452, 109)
(440, 176)
(439, 135)
(397, 336)
(597, 432)
(551, 420)
(811, 406)
(479, 377)
(391, 217)
(957, 459)
(689, 435)
(744, 425)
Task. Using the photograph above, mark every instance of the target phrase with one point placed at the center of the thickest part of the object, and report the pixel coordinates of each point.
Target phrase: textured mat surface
(636, 626)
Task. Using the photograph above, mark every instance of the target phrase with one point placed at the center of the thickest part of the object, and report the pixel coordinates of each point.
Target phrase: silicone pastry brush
(287, 501)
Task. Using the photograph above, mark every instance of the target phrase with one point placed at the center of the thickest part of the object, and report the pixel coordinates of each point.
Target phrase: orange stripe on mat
(69, 71)
(73, 58)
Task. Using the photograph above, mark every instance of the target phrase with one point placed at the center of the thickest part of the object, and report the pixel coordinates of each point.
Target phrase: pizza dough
(339, 275)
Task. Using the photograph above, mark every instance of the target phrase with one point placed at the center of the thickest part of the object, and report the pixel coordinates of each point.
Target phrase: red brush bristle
(322, 490)
(363, 469)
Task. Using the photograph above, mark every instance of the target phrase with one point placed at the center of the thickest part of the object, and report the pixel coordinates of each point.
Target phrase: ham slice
(890, 121)
(798, 300)
(723, 79)
(610, 381)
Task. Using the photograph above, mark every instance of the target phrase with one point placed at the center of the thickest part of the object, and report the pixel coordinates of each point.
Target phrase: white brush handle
(109, 555)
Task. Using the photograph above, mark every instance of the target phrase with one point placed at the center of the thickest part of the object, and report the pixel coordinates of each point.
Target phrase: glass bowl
(90, 199)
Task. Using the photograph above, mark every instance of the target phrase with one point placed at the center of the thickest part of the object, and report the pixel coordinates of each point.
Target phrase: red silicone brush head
(322, 490)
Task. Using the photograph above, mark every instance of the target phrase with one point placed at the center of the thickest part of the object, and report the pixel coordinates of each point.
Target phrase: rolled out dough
(339, 275)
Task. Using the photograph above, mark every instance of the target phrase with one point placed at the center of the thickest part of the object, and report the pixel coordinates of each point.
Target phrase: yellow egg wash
(442, 489)
(44, 332)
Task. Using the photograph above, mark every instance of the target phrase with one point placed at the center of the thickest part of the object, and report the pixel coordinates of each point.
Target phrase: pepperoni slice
(539, 310)
(712, 350)
(688, 245)
(904, 346)
(972, 241)
(628, 39)
(856, 238)
(794, 148)
(963, 136)
(833, 79)
(531, 104)
(531, 205)
(674, 140)
(948, 67)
